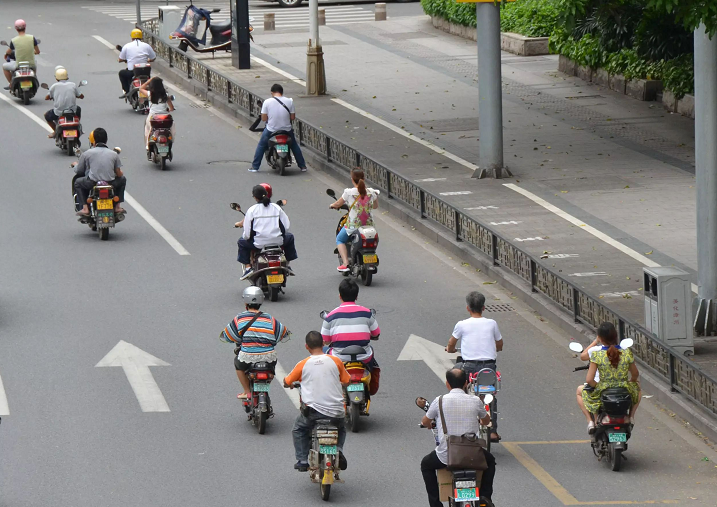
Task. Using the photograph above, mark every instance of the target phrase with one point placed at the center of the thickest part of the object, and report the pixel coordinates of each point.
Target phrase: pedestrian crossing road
(296, 17)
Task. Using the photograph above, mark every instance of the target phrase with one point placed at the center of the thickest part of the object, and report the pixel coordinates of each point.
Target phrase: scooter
(269, 266)
(24, 84)
(612, 431)
(258, 403)
(138, 99)
(363, 259)
(159, 145)
(101, 202)
(189, 29)
(465, 490)
(278, 155)
(68, 129)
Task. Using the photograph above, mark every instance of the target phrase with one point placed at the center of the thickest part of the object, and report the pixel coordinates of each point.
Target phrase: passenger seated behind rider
(361, 201)
(351, 324)
(65, 94)
(159, 103)
(99, 164)
(614, 365)
(266, 225)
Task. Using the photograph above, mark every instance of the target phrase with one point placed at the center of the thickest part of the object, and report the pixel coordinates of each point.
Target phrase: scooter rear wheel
(366, 276)
(325, 488)
(281, 165)
(26, 97)
(615, 458)
(261, 423)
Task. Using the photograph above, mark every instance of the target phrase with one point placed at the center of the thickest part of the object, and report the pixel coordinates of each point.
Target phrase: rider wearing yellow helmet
(134, 53)
(65, 94)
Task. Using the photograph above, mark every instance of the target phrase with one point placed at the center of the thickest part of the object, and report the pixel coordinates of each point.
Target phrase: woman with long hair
(265, 224)
(617, 369)
(361, 200)
(159, 103)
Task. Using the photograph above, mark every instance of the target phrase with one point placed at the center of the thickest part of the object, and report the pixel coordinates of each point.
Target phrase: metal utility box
(169, 18)
(668, 298)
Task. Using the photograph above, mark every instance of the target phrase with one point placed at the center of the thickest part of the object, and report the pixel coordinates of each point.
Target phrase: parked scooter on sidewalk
(24, 84)
(612, 426)
(464, 490)
(101, 202)
(68, 128)
(324, 454)
(269, 266)
(363, 259)
(191, 34)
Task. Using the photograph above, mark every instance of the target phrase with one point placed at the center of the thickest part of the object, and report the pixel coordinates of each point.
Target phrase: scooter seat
(221, 26)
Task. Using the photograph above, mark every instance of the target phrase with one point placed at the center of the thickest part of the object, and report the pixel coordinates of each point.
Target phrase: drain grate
(499, 308)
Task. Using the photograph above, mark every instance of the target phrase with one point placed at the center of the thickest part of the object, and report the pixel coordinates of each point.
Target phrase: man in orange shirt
(322, 379)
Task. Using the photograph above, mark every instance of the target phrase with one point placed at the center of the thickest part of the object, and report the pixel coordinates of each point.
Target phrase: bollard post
(269, 22)
(322, 17)
(380, 11)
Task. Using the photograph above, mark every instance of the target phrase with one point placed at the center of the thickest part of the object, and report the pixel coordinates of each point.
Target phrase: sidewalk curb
(694, 415)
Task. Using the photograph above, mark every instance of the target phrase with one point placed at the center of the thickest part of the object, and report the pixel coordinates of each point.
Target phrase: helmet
(61, 74)
(20, 24)
(267, 187)
(92, 138)
(253, 296)
(136, 34)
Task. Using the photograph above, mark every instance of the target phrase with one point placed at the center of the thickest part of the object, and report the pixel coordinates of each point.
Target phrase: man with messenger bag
(458, 417)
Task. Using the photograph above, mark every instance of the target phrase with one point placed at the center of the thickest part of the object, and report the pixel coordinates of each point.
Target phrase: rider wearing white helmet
(65, 94)
(25, 48)
(255, 333)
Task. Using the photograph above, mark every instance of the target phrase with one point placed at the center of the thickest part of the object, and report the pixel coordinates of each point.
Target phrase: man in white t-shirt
(481, 342)
(322, 380)
(133, 53)
(277, 112)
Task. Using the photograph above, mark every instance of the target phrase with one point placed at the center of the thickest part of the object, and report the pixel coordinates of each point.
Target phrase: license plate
(370, 259)
(275, 279)
(354, 387)
(466, 494)
(69, 133)
(162, 148)
(617, 437)
(261, 388)
(282, 148)
(328, 449)
(25, 84)
(105, 204)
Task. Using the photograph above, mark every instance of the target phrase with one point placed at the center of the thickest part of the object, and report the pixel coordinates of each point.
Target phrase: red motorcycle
(159, 147)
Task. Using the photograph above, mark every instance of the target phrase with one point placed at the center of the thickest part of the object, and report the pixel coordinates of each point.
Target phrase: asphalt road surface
(76, 434)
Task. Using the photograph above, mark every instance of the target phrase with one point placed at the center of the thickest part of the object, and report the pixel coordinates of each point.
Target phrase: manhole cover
(499, 308)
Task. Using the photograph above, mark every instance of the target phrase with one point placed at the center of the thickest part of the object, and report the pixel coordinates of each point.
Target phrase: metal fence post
(388, 183)
(358, 159)
(533, 275)
(671, 371)
(170, 58)
(494, 248)
(209, 79)
(457, 218)
(576, 305)
(229, 91)
(422, 199)
(328, 148)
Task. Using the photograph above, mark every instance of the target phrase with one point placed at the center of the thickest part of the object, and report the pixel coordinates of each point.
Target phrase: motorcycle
(612, 431)
(357, 394)
(68, 129)
(159, 146)
(138, 99)
(24, 83)
(188, 31)
(269, 266)
(485, 384)
(324, 454)
(258, 403)
(101, 203)
(464, 491)
(278, 155)
(363, 260)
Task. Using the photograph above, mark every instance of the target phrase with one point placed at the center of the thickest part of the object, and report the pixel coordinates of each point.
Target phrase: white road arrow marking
(4, 409)
(136, 362)
(434, 355)
(510, 222)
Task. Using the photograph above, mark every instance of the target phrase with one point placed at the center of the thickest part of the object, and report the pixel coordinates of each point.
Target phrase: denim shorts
(344, 236)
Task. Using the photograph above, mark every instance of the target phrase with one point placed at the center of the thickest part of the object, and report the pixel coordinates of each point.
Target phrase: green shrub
(532, 18)
(460, 14)
(678, 76)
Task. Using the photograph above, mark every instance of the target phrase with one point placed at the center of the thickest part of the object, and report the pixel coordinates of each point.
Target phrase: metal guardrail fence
(683, 375)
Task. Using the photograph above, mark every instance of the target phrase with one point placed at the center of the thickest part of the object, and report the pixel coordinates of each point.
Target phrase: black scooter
(191, 34)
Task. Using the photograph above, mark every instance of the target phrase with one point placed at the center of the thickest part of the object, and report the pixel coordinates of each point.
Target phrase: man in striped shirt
(352, 324)
(256, 333)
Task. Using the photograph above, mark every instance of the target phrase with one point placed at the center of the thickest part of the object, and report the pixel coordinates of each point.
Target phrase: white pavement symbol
(293, 394)
(562, 256)
(136, 362)
(510, 222)
(285, 18)
(537, 238)
(128, 198)
(590, 273)
(592, 230)
(481, 207)
(431, 179)
(460, 192)
(434, 355)
(4, 408)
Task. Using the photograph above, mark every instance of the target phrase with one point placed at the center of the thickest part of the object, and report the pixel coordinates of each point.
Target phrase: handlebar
(582, 367)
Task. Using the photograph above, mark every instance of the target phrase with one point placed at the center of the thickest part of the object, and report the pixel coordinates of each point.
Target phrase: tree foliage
(691, 13)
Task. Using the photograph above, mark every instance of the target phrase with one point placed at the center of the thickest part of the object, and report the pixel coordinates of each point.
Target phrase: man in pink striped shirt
(352, 324)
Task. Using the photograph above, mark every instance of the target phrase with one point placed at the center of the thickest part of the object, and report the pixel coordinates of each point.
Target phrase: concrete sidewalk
(621, 166)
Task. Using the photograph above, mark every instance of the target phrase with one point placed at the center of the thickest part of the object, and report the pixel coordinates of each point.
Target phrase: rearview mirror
(626, 343)
(3, 43)
(235, 206)
(488, 399)
(323, 314)
(83, 82)
(117, 150)
(373, 312)
(330, 193)
(172, 97)
(576, 347)
(78, 151)
(44, 85)
(215, 10)
(38, 41)
(118, 47)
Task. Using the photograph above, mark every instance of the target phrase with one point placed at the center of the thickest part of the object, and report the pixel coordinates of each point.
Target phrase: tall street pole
(706, 180)
(490, 98)
(241, 48)
(315, 74)
(139, 14)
